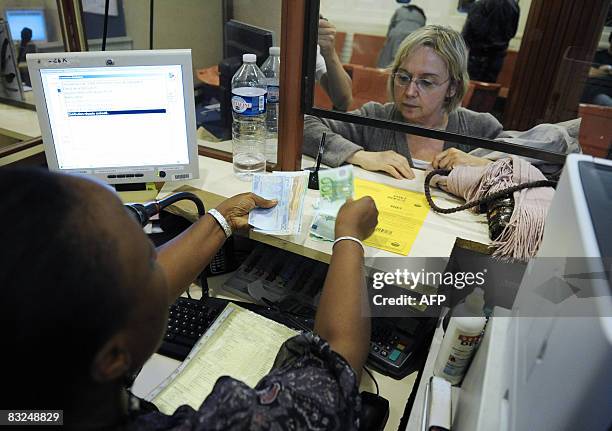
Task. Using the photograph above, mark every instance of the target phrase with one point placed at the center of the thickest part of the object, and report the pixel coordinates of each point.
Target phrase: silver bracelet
(350, 238)
(222, 222)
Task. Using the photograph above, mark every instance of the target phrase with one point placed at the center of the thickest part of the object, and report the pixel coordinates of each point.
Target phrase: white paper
(97, 7)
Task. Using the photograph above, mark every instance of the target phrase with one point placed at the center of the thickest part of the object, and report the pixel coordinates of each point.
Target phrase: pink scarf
(522, 236)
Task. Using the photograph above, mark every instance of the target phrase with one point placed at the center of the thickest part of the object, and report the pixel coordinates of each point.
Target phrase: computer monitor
(10, 80)
(123, 116)
(546, 364)
(241, 38)
(559, 344)
(33, 18)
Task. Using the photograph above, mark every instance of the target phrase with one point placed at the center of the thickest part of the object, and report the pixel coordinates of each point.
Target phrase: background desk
(436, 238)
(16, 125)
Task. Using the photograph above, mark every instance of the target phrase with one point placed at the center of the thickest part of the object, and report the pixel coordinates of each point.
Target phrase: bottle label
(245, 105)
(460, 354)
(249, 101)
(273, 93)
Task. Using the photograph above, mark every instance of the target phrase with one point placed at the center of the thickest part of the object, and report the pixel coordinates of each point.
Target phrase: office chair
(481, 96)
(595, 130)
(366, 48)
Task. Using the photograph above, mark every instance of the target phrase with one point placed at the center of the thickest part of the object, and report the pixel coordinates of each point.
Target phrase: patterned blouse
(310, 387)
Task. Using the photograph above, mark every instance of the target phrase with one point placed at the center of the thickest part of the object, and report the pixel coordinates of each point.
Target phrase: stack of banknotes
(335, 186)
(289, 189)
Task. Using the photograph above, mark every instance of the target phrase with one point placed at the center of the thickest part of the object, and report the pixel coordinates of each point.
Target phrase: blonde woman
(427, 83)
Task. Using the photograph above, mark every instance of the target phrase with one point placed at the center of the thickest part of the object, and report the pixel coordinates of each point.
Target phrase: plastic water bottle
(249, 113)
(271, 70)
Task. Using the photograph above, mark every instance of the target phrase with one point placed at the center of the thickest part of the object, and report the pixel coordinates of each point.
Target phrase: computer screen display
(112, 115)
(34, 19)
(125, 116)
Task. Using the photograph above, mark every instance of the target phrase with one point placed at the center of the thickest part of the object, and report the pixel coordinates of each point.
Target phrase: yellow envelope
(401, 214)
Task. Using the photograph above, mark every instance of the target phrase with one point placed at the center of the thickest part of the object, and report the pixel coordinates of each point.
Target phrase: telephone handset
(224, 261)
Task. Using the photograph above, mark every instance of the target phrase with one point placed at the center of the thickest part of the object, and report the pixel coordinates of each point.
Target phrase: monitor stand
(136, 192)
(130, 187)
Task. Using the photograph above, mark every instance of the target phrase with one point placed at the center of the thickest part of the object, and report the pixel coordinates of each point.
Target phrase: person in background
(329, 71)
(427, 83)
(404, 21)
(25, 47)
(85, 299)
(487, 31)
(24, 44)
(598, 87)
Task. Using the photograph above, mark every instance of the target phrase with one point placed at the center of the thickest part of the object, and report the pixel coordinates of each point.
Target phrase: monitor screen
(241, 38)
(34, 19)
(112, 115)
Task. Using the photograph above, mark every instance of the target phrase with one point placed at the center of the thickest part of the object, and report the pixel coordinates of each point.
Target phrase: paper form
(401, 214)
(289, 189)
(243, 346)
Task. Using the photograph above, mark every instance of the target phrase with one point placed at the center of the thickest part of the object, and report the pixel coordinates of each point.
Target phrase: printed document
(401, 214)
(243, 346)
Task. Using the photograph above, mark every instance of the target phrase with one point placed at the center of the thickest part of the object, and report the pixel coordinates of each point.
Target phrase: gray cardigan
(345, 139)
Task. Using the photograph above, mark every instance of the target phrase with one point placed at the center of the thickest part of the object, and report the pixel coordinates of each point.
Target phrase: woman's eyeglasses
(404, 79)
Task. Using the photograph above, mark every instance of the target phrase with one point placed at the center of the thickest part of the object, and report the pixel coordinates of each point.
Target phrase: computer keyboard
(188, 319)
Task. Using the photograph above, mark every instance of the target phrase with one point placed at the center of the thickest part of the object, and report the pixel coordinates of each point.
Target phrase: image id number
(31, 417)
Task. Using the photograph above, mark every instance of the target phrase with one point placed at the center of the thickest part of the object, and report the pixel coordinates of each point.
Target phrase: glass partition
(194, 25)
(527, 65)
(34, 26)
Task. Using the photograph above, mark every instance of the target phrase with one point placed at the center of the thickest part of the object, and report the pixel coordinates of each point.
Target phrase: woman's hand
(357, 218)
(236, 209)
(452, 157)
(327, 37)
(388, 161)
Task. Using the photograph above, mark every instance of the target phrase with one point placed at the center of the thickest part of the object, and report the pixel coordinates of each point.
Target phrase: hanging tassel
(521, 237)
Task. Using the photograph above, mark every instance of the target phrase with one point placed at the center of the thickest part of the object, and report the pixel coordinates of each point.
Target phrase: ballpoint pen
(320, 153)
(313, 180)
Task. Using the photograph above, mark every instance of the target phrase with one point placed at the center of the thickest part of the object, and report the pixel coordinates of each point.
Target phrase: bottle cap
(249, 58)
(274, 50)
(475, 301)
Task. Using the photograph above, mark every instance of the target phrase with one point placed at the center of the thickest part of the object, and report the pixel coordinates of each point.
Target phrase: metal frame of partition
(298, 50)
(291, 114)
(310, 40)
(71, 23)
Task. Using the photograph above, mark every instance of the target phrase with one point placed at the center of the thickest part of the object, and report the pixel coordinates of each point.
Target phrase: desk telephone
(171, 225)
(227, 258)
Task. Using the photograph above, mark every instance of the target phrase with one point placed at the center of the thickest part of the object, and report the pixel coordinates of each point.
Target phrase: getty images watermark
(542, 287)
(406, 279)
